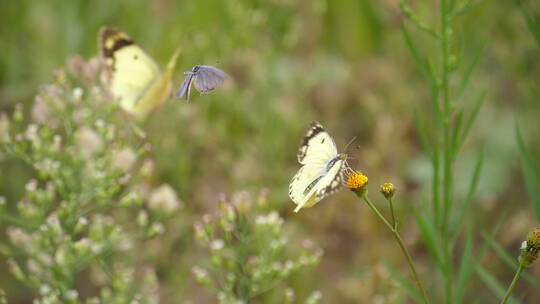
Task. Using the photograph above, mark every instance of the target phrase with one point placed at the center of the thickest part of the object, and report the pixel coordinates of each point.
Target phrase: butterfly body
(206, 79)
(136, 80)
(322, 170)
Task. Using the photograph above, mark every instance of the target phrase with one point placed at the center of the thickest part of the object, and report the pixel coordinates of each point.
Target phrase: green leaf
(495, 286)
(469, 262)
(404, 283)
(428, 232)
(473, 185)
(424, 140)
(422, 66)
(472, 118)
(456, 130)
(531, 24)
(531, 174)
(465, 80)
(409, 13)
(465, 8)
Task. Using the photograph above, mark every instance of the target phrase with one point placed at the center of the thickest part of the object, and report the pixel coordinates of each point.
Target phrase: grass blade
(493, 284)
(424, 140)
(422, 66)
(465, 267)
(465, 80)
(464, 9)
(472, 118)
(404, 283)
(531, 174)
(429, 234)
(456, 131)
(408, 12)
(531, 24)
(468, 262)
(466, 206)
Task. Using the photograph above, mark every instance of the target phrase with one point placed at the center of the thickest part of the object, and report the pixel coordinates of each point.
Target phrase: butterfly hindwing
(302, 180)
(332, 181)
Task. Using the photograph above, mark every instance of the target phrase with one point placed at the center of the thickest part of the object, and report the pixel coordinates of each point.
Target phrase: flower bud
(388, 190)
(530, 249)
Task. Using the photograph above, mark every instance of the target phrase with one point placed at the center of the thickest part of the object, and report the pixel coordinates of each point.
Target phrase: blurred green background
(343, 63)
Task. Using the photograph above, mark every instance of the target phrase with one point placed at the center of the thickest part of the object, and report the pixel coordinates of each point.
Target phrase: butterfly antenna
(350, 142)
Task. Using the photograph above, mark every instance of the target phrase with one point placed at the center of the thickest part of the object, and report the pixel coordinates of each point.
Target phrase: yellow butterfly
(136, 80)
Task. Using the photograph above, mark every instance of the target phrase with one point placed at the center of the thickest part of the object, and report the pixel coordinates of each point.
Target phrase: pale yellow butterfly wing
(135, 77)
(159, 91)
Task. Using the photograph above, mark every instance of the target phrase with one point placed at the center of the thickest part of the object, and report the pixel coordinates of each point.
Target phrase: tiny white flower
(78, 93)
(217, 244)
(158, 228)
(72, 294)
(123, 159)
(44, 289)
(165, 199)
(31, 185)
(100, 123)
(88, 141)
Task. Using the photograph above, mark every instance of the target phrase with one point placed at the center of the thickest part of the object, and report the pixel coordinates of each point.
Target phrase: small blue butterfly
(206, 79)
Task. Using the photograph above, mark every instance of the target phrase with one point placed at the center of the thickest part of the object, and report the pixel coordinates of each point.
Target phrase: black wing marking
(110, 41)
(314, 129)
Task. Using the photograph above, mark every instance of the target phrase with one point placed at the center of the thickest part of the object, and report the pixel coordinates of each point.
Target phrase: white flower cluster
(249, 254)
(76, 212)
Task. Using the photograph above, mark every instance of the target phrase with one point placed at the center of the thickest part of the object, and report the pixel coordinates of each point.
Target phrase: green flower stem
(398, 238)
(513, 284)
(394, 221)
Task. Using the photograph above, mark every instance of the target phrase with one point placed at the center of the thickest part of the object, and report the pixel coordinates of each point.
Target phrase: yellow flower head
(357, 182)
(387, 189)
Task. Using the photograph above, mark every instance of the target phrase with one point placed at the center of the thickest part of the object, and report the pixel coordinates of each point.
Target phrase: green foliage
(247, 249)
(531, 174)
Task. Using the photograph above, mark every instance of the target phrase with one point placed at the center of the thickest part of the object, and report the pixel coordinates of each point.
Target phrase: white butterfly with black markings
(323, 168)
(205, 77)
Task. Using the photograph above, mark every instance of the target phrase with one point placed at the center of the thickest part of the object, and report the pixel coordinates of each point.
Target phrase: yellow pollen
(356, 180)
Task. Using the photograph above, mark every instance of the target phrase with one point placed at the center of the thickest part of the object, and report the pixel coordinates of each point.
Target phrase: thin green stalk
(398, 238)
(447, 149)
(394, 221)
(513, 284)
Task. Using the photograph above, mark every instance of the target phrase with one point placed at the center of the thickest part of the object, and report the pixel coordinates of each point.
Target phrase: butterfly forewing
(317, 146)
(207, 78)
(184, 89)
(132, 70)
